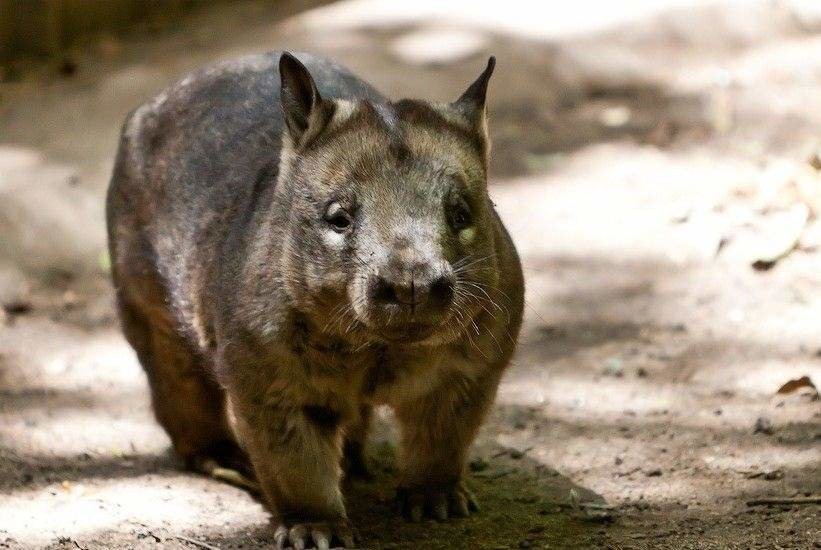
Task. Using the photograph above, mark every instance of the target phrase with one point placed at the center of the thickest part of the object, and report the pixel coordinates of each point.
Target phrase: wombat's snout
(417, 289)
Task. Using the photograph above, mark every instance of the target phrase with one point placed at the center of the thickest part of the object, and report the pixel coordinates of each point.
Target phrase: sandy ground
(645, 154)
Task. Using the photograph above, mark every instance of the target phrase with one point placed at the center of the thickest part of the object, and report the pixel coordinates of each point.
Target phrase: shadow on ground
(522, 506)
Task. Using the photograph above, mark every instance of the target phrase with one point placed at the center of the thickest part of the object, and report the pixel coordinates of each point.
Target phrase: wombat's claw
(319, 535)
(436, 502)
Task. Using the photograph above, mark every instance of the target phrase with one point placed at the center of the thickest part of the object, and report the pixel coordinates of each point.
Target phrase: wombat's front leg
(437, 431)
(296, 452)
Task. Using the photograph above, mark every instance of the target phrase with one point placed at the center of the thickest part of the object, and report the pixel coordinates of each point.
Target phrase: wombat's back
(194, 163)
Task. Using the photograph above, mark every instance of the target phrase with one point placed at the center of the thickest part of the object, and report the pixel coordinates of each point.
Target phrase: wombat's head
(391, 236)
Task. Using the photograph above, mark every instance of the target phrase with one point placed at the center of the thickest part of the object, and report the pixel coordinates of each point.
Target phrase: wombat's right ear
(305, 111)
(472, 105)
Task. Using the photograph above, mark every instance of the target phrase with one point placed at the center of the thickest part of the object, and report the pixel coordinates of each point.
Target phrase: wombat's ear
(471, 104)
(305, 111)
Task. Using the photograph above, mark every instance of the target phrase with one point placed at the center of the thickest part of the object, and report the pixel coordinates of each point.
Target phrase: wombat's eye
(460, 217)
(337, 217)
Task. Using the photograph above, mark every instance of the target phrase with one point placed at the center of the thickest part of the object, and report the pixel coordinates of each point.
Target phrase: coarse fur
(290, 249)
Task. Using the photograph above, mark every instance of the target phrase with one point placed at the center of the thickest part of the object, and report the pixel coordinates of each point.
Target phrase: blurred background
(658, 164)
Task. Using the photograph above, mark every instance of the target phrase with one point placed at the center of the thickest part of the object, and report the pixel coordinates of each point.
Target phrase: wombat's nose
(415, 292)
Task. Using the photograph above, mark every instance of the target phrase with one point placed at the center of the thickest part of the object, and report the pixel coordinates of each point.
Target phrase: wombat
(290, 249)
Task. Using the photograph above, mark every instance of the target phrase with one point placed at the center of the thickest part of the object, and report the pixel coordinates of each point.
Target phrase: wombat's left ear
(306, 113)
(471, 104)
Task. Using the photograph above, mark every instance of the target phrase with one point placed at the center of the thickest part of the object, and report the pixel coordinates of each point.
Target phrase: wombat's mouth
(408, 332)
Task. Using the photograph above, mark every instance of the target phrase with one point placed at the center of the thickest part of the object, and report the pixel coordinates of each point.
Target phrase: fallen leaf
(17, 307)
(815, 161)
(796, 384)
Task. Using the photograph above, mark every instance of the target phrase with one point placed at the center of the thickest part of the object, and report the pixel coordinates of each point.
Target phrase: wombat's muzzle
(419, 291)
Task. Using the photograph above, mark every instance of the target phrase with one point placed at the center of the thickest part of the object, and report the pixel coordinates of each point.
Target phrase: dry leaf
(796, 384)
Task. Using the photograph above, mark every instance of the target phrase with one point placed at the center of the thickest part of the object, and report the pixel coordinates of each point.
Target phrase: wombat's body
(299, 252)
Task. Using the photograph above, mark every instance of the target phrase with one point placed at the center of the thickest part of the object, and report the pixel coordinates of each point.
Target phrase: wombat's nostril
(441, 290)
(382, 291)
(387, 292)
(415, 293)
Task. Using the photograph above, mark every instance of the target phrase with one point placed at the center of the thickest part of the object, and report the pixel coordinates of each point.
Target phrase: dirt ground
(645, 155)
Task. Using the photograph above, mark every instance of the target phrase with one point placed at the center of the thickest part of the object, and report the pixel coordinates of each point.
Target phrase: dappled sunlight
(102, 360)
(750, 461)
(545, 21)
(762, 377)
(14, 158)
(174, 502)
(588, 400)
(71, 432)
(37, 231)
(613, 184)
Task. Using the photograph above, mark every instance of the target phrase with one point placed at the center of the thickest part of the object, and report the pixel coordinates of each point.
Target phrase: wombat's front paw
(321, 535)
(436, 502)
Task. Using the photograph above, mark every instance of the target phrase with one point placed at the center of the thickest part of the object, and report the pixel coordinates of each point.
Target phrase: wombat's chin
(410, 333)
